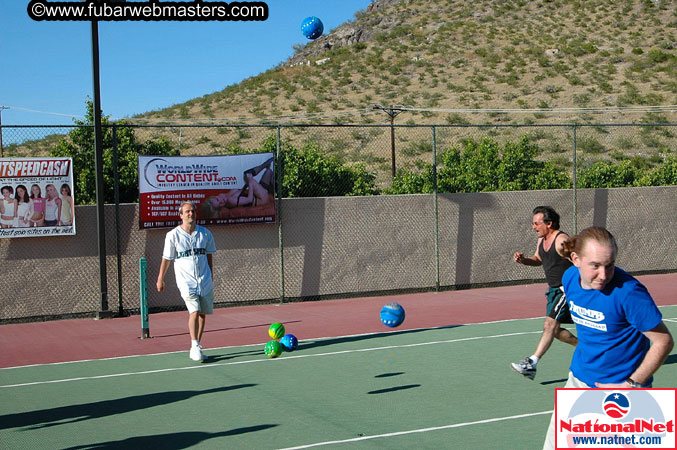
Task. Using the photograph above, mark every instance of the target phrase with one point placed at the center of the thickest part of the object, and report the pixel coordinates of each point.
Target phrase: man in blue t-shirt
(622, 340)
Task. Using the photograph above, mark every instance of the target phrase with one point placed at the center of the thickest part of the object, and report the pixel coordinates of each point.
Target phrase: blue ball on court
(312, 27)
(289, 343)
(392, 315)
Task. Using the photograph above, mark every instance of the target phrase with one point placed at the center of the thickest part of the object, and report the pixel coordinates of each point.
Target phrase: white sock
(194, 342)
(534, 359)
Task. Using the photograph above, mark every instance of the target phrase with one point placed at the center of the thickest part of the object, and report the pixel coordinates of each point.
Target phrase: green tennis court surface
(430, 388)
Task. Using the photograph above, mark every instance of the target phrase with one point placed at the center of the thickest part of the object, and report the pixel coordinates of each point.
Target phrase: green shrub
(604, 174)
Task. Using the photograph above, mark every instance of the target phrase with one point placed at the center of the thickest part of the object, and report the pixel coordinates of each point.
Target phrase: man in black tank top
(550, 240)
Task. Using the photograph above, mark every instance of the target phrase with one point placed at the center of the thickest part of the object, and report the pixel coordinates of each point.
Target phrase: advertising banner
(226, 189)
(37, 197)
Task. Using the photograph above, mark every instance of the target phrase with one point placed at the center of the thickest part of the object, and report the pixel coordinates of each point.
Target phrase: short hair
(549, 215)
(577, 243)
(187, 202)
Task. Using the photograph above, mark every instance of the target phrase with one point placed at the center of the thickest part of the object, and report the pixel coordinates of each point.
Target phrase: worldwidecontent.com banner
(599, 418)
(225, 189)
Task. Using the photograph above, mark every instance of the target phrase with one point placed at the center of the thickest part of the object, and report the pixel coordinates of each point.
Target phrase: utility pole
(2, 151)
(393, 112)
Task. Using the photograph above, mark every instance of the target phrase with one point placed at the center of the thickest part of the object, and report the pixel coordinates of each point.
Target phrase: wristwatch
(633, 384)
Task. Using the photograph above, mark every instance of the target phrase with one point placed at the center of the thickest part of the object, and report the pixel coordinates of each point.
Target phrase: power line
(661, 108)
(19, 108)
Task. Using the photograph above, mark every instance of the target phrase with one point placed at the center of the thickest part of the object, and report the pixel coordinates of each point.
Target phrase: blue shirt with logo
(609, 325)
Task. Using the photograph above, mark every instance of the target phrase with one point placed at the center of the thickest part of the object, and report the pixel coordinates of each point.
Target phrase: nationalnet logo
(598, 418)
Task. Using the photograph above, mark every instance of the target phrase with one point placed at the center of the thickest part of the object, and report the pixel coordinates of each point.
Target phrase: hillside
(448, 62)
(455, 55)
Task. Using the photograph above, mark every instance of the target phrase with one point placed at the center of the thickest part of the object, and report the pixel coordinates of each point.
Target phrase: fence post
(574, 177)
(143, 293)
(118, 250)
(436, 217)
(279, 213)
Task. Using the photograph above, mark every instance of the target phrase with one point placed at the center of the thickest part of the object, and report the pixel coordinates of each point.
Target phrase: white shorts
(202, 303)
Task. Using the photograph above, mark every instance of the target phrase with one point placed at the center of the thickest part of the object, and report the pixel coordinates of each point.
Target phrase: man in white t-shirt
(191, 246)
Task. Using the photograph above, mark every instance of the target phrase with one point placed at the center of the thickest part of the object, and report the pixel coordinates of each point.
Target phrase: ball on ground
(312, 27)
(276, 330)
(289, 342)
(273, 349)
(392, 315)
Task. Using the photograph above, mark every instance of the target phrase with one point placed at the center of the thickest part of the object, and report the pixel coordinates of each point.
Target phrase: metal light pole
(98, 167)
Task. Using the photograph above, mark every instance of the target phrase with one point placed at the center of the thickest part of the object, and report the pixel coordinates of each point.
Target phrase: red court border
(84, 339)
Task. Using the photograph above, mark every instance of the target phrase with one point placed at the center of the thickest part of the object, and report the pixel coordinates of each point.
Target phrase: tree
(79, 145)
(663, 175)
(484, 167)
(309, 172)
(604, 174)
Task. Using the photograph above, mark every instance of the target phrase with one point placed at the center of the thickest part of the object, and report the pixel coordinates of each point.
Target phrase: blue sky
(47, 66)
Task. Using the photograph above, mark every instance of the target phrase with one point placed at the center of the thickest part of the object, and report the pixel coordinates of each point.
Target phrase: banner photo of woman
(37, 197)
(226, 189)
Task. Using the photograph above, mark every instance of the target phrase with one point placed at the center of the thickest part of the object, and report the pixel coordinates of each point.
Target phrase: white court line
(286, 358)
(112, 358)
(421, 430)
(307, 340)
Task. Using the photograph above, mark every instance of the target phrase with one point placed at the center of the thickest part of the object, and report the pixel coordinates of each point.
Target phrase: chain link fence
(331, 242)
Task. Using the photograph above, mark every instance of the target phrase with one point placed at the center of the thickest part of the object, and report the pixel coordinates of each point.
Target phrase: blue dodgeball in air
(392, 315)
(312, 27)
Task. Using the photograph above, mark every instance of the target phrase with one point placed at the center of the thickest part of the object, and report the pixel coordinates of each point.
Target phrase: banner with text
(37, 197)
(226, 189)
(615, 418)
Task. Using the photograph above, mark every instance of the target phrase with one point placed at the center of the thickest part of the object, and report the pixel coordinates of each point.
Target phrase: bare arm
(161, 275)
(533, 260)
(661, 345)
(559, 243)
(58, 212)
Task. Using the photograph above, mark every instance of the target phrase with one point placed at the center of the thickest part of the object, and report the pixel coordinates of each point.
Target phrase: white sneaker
(204, 357)
(196, 354)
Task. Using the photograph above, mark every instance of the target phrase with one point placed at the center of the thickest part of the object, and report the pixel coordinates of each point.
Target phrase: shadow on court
(77, 413)
(366, 337)
(218, 358)
(672, 359)
(393, 389)
(263, 325)
(387, 375)
(561, 380)
(170, 441)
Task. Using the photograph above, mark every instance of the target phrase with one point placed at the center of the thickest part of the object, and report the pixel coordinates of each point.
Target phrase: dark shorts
(51, 223)
(557, 308)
